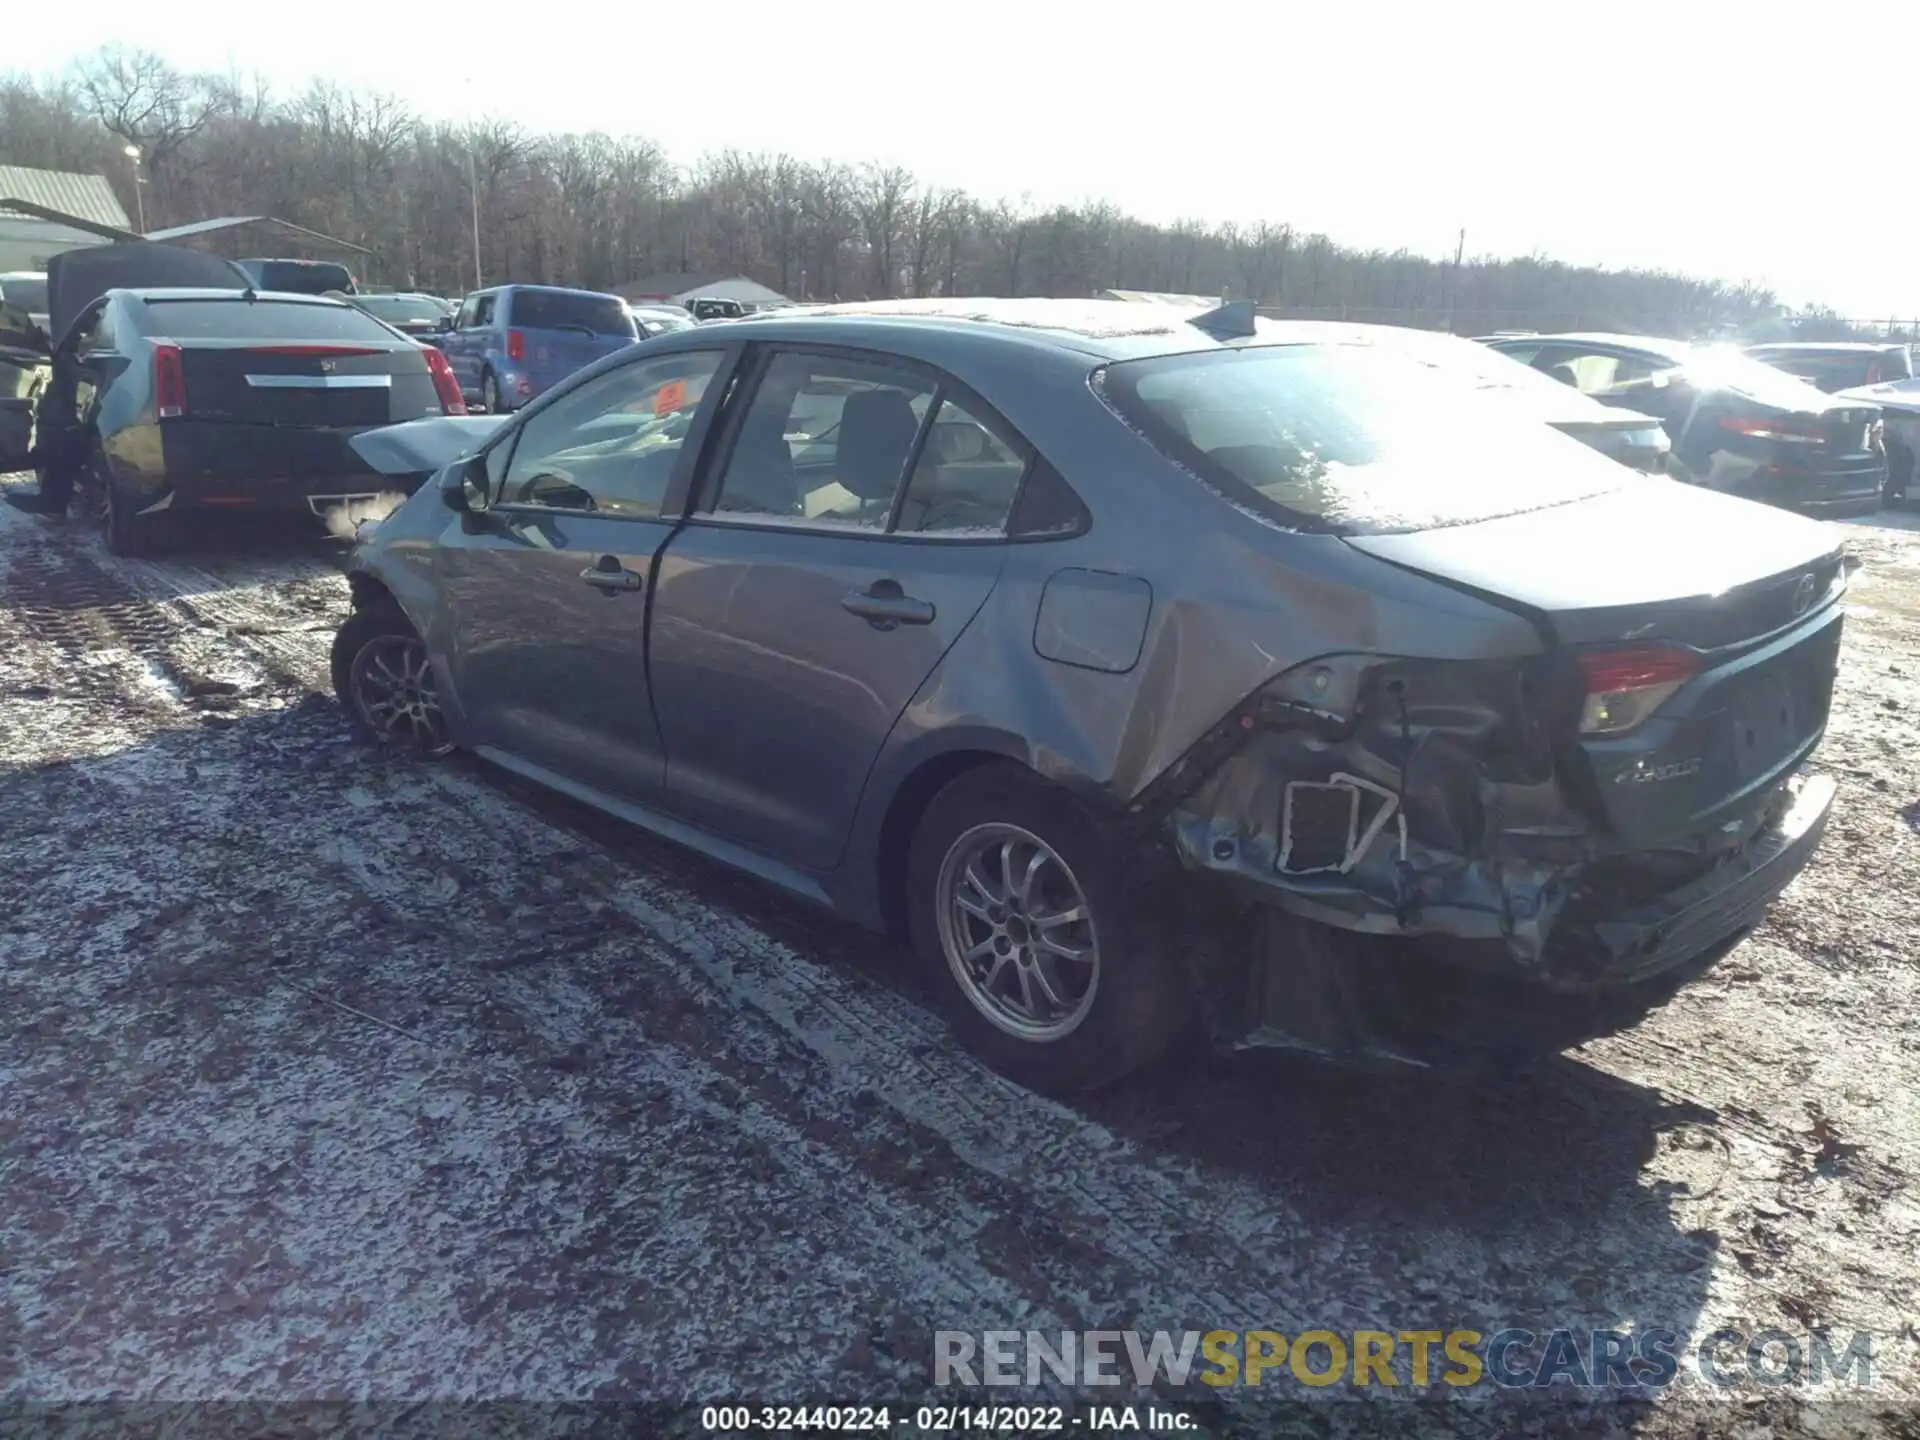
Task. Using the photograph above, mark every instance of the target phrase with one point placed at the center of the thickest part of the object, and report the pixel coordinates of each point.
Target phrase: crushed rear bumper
(1696, 916)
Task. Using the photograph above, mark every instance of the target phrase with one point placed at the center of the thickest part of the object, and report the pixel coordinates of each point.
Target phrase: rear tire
(1007, 878)
(385, 682)
(490, 393)
(128, 534)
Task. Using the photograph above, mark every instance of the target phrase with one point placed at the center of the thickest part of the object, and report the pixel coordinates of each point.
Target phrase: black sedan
(419, 317)
(1737, 425)
(176, 389)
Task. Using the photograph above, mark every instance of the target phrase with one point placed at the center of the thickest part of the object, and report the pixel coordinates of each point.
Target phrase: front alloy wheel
(1018, 932)
(393, 693)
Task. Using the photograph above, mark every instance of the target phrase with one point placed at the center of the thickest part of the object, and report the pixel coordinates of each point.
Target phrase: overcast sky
(1718, 139)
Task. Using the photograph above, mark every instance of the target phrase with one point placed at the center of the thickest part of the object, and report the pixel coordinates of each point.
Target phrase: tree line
(601, 211)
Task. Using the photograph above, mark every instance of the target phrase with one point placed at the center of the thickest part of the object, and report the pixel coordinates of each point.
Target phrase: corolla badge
(1803, 594)
(1654, 774)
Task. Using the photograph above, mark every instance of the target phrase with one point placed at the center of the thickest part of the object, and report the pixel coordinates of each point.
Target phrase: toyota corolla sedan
(1154, 674)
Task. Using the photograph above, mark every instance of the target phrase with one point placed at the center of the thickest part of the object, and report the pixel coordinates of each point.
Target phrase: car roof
(560, 290)
(1820, 347)
(1099, 330)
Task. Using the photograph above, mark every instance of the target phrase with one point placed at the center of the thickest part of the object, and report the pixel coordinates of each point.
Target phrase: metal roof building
(37, 206)
(678, 287)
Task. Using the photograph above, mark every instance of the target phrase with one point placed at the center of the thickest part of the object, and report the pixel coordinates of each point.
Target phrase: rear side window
(238, 319)
(569, 310)
(1349, 439)
(967, 476)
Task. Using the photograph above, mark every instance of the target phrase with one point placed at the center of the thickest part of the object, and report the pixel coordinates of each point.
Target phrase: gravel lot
(324, 1076)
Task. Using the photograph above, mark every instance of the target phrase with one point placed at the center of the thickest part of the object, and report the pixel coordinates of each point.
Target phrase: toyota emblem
(1803, 594)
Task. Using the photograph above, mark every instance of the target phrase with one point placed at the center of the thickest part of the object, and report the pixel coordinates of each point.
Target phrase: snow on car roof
(1095, 319)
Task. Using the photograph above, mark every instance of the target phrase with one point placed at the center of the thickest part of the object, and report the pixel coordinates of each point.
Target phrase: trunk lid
(1633, 570)
(343, 386)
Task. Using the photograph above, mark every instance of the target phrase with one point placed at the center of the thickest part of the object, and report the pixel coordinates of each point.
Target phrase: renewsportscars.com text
(1416, 1359)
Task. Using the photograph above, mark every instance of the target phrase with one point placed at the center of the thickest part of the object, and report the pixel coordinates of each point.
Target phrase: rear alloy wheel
(490, 393)
(384, 678)
(1026, 932)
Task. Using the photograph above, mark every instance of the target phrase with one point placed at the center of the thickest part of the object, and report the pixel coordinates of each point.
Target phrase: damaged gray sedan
(1153, 674)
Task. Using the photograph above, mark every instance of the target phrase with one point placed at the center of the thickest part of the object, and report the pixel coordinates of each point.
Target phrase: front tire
(1024, 922)
(384, 680)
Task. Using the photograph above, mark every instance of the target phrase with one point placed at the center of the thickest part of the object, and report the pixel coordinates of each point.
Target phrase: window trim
(753, 370)
(673, 501)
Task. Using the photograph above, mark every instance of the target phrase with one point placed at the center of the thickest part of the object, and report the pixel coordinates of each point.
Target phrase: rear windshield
(397, 308)
(1350, 439)
(238, 319)
(1841, 371)
(299, 278)
(29, 295)
(570, 310)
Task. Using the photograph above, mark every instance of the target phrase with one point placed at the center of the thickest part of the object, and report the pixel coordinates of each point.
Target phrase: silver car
(1152, 673)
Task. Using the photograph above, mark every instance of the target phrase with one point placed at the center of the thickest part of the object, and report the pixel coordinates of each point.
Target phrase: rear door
(545, 596)
(815, 588)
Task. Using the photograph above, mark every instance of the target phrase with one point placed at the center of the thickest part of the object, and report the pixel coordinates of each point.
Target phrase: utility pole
(473, 185)
(1453, 284)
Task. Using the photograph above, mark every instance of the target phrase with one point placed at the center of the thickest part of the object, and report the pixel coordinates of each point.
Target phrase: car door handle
(611, 577)
(885, 605)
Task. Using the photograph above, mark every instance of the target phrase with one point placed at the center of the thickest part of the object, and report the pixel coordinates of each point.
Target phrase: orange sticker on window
(672, 396)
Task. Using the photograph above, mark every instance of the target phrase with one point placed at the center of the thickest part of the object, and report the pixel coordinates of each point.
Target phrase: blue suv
(512, 342)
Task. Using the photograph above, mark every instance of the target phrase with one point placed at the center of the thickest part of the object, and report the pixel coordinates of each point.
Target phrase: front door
(808, 598)
(465, 343)
(545, 596)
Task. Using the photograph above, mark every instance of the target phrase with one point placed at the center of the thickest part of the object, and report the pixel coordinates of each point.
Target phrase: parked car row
(1736, 424)
(1145, 671)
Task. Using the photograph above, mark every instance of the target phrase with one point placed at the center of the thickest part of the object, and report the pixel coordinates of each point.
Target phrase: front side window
(482, 312)
(825, 440)
(1349, 439)
(611, 446)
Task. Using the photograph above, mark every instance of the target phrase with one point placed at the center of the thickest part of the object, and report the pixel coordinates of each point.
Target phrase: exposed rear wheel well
(903, 818)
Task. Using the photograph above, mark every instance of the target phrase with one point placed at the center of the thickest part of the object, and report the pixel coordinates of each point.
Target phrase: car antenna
(1230, 319)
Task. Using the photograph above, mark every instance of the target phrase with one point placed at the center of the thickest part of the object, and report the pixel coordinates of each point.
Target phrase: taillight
(1624, 687)
(1794, 430)
(516, 345)
(169, 382)
(444, 385)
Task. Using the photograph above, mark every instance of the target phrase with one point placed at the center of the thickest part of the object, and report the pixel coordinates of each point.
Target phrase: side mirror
(463, 486)
(443, 325)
